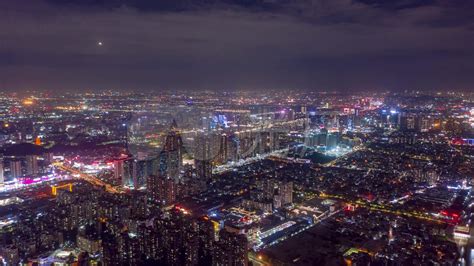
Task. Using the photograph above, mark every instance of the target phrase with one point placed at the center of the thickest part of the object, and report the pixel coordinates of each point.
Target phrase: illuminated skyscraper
(233, 149)
(171, 157)
(144, 168)
(286, 192)
(125, 171)
(168, 191)
(331, 141)
(204, 153)
(32, 165)
(15, 169)
(161, 189)
(223, 149)
(118, 170)
(203, 169)
(152, 187)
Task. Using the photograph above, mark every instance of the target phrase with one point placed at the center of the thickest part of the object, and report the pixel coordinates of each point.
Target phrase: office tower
(231, 249)
(125, 171)
(118, 170)
(223, 149)
(233, 149)
(32, 165)
(144, 168)
(15, 169)
(247, 141)
(171, 157)
(130, 171)
(267, 141)
(274, 140)
(322, 137)
(204, 154)
(141, 171)
(207, 146)
(263, 142)
(331, 141)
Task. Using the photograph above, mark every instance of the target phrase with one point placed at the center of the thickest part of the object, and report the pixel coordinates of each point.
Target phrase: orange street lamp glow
(28, 102)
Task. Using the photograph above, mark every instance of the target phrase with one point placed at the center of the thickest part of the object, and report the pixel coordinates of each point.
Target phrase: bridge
(54, 189)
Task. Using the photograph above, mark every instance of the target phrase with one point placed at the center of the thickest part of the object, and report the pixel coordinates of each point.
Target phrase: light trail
(91, 179)
(385, 208)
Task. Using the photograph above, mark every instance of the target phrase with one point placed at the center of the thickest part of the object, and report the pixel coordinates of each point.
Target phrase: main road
(89, 178)
(385, 208)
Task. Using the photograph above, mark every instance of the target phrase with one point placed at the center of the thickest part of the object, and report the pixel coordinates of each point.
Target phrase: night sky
(236, 44)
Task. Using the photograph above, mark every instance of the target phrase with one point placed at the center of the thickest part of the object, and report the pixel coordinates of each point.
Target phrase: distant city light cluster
(236, 178)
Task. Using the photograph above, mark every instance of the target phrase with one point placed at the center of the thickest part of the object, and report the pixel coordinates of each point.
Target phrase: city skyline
(236, 178)
(236, 132)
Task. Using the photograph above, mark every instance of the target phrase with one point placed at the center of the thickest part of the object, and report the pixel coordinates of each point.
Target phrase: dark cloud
(398, 5)
(236, 44)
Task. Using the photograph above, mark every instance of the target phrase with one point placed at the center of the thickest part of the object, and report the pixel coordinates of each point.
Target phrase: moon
(99, 43)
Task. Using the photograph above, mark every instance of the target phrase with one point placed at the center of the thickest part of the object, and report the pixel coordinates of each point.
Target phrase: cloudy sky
(236, 44)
